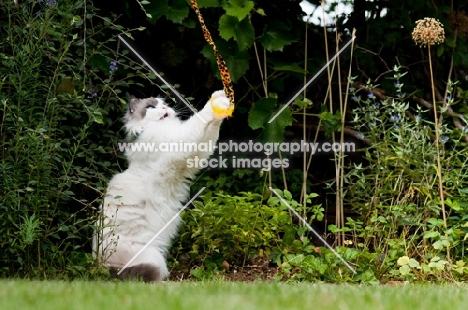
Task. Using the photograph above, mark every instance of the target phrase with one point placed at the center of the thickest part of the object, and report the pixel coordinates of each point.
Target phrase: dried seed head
(428, 31)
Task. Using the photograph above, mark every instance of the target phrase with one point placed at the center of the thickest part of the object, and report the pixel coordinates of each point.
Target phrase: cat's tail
(145, 272)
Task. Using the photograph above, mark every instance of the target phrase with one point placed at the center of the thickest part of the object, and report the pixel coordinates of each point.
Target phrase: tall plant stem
(264, 80)
(304, 133)
(343, 108)
(439, 165)
(339, 155)
(339, 235)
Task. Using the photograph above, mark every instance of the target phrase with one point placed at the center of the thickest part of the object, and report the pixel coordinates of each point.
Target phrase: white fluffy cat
(146, 196)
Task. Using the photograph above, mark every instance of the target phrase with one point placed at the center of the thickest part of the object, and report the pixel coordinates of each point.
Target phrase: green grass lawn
(223, 295)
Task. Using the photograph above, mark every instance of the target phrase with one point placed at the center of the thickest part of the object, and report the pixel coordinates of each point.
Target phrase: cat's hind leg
(152, 256)
(149, 265)
(145, 272)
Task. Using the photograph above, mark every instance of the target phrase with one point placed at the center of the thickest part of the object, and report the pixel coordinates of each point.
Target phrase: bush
(62, 78)
(396, 189)
(239, 228)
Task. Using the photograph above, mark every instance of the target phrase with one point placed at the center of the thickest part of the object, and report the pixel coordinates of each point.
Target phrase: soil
(258, 269)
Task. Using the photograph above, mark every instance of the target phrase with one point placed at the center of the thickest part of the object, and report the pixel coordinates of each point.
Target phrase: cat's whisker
(182, 109)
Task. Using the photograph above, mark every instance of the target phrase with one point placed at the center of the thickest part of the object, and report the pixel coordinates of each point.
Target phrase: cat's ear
(132, 104)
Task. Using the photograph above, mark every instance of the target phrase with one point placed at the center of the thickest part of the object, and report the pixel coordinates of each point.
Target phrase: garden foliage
(61, 92)
(65, 79)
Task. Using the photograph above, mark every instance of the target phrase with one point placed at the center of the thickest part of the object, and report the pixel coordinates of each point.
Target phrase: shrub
(396, 189)
(61, 88)
(242, 227)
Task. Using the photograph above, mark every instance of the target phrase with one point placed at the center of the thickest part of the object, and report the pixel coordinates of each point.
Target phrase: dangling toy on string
(223, 70)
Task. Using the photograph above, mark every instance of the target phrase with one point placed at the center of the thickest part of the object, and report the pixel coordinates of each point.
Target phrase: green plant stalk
(330, 74)
(439, 166)
(339, 166)
(309, 161)
(264, 76)
(304, 134)
(264, 81)
(283, 173)
(343, 113)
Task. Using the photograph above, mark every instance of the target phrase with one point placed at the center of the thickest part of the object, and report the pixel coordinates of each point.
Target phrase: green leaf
(403, 261)
(331, 122)
(463, 190)
(189, 23)
(438, 245)
(302, 102)
(241, 31)
(97, 117)
(273, 201)
(413, 263)
(295, 259)
(287, 194)
(274, 131)
(239, 8)
(100, 62)
(444, 9)
(261, 112)
(174, 10)
(450, 42)
(197, 273)
(404, 270)
(289, 236)
(261, 12)
(292, 67)
(453, 204)
(237, 62)
(276, 38)
(208, 3)
(440, 50)
(431, 234)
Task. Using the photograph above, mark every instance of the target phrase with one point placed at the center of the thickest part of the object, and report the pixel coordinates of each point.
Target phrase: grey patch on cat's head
(137, 107)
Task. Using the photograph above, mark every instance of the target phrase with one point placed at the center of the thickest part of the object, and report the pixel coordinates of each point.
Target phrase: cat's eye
(150, 107)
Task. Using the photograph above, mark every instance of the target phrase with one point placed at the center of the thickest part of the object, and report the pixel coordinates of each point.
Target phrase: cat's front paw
(221, 105)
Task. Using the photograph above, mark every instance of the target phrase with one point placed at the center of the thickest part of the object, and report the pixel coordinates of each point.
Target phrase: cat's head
(148, 110)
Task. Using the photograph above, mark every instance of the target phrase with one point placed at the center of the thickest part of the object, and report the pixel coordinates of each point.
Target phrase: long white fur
(143, 198)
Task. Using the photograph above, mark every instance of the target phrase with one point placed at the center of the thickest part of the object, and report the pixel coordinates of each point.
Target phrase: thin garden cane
(339, 237)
